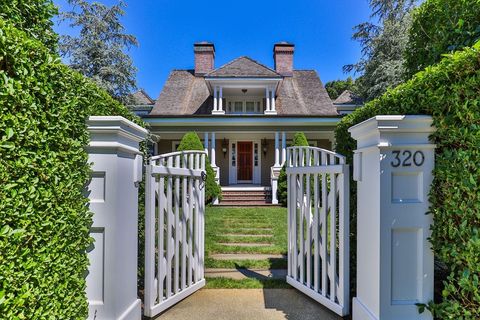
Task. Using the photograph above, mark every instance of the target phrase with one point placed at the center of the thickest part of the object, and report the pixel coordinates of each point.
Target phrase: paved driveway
(248, 304)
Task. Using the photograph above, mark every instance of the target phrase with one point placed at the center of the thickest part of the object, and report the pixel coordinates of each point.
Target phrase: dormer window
(239, 105)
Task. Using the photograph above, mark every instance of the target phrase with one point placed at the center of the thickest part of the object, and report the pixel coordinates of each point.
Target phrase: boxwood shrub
(450, 92)
(44, 216)
(191, 141)
(299, 140)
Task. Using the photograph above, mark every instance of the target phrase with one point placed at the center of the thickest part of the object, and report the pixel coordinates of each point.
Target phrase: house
(347, 102)
(140, 103)
(245, 112)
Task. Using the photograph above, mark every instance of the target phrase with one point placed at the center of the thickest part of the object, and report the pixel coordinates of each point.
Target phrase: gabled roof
(348, 98)
(302, 94)
(141, 98)
(243, 67)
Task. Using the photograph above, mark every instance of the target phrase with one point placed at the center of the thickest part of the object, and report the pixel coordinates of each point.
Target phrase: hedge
(191, 141)
(450, 92)
(44, 217)
(299, 140)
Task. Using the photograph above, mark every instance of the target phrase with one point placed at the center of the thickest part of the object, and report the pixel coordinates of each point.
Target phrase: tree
(299, 140)
(336, 87)
(439, 27)
(33, 17)
(191, 141)
(383, 47)
(99, 51)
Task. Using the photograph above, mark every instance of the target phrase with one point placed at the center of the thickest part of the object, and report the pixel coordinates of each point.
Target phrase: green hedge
(299, 140)
(44, 217)
(450, 92)
(191, 141)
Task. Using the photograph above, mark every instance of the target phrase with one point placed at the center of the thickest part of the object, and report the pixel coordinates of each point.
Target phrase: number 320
(406, 158)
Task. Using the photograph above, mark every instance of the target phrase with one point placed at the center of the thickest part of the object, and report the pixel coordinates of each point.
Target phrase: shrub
(439, 27)
(44, 217)
(299, 140)
(33, 17)
(450, 92)
(191, 141)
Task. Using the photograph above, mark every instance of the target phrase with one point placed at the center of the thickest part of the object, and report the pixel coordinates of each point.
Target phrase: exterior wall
(324, 144)
(222, 162)
(268, 161)
(164, 146)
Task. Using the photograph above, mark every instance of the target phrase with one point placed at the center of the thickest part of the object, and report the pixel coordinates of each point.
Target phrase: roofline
(239, 121)
(243, 78)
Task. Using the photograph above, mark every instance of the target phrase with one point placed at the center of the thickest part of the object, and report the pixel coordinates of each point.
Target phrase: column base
(218, 112)
(360, 311)
(270, 112)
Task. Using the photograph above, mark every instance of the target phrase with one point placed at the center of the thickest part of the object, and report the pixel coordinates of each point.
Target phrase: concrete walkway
(248, 304)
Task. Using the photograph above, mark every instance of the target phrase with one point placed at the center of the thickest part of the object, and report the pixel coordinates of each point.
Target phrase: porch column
(215, 99)
(284, 148)
(212, 151)
(205, 144)
(277, 151)
(213, 163)
(220, 102)
(267, 95)
(273, 100)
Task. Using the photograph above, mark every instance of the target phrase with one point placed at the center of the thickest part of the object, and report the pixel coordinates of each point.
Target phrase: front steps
(246, 196)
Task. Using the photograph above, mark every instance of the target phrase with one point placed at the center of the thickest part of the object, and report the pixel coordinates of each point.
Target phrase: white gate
(318, 226)
(174, 228)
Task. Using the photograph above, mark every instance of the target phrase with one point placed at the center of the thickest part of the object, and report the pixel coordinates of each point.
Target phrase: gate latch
(203, 179)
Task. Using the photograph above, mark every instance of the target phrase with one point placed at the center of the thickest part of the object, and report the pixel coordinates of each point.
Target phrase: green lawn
(221, 221)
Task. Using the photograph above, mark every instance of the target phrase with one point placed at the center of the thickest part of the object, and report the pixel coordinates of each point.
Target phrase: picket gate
(318, 225)
(174, 228)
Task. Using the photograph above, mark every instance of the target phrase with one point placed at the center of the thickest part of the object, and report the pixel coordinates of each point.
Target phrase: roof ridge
(242, 57)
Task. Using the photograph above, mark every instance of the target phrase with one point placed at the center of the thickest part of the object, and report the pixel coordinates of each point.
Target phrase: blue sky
(166, 30)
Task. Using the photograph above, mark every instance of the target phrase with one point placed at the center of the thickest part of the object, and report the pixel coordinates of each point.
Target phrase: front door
(245, 168)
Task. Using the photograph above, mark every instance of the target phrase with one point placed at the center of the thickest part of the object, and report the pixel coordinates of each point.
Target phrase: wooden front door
(245, 168)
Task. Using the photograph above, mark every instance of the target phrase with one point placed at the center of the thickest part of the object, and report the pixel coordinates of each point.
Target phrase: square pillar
(393, 167)
(277, 151)
(215, 99)
(113, 194)
(213, 162)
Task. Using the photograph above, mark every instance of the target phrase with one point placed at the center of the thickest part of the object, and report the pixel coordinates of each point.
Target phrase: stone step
(246, 256)
(246, 204)
(239, 274)
(244, 244)
(248, 235)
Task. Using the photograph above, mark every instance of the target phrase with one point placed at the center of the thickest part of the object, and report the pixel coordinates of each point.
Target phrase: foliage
(439, 27)
(191, 141)
(99, 52)
(383, 46)
(450, 92)
(44, 217)
(33, 17)
(299, 140)
(336, 87)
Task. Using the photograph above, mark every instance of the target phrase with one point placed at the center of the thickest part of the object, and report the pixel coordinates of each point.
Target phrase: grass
(220, 221)
(226, 283)
(252, 221)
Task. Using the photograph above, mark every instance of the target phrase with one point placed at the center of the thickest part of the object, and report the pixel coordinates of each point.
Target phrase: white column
(284, 148)
(205, 144)
(393, 167)
(273, 100)
(277, 151)
(212, 151)
(220, 102)
(215, 99)
(267, 95)
(113, 193)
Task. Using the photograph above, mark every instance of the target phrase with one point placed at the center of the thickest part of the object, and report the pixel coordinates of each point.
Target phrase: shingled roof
(142, 98)
(348, 98)
(301, 94)
(243, 67)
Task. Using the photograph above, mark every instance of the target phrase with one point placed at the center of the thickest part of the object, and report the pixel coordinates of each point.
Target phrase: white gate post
(113, 194)
(393, 166)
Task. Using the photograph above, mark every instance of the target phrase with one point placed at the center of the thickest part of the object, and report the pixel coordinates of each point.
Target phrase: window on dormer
(241, 105)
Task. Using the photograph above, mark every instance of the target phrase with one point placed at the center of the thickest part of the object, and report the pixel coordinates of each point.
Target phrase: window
(250, 107)
(233, 155)
(255, 154)
(247, 105)
(238, 107)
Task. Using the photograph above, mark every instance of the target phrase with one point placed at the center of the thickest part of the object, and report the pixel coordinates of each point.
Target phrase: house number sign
(407, 158)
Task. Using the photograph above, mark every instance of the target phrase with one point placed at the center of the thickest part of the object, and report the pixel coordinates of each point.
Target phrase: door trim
(257, 170)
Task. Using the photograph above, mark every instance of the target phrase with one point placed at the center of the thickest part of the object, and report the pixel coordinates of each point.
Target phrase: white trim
(174, 142)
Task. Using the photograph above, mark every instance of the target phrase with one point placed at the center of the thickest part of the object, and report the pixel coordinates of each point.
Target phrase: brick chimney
(204, 57)
(283, 58)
